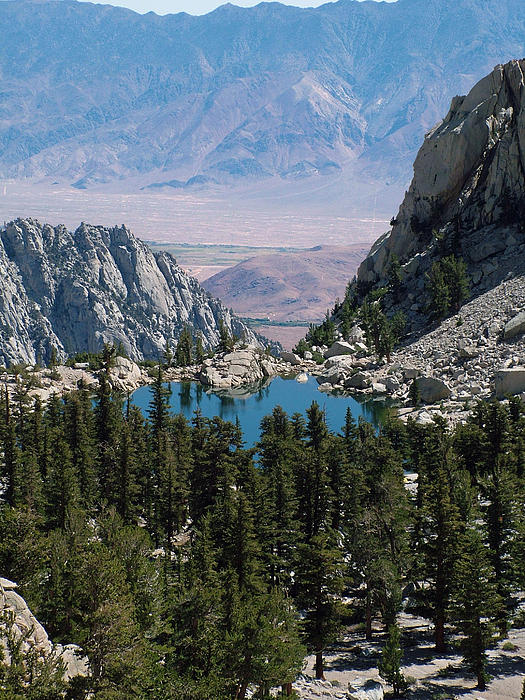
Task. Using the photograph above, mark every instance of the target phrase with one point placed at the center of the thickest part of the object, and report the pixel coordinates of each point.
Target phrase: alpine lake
(250, 404)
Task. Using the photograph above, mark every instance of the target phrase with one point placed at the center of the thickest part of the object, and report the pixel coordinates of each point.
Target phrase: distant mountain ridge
(76, 291)
(94, 93)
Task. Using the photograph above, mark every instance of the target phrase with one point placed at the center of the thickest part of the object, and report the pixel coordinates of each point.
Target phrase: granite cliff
(467, 196)
(466, 202)
(77, 290)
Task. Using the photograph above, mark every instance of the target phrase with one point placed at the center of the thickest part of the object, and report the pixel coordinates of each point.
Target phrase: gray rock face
(75, 291)
(509, 381)
(29, 632)
(469, 184)
(432, 389)
(515, 327)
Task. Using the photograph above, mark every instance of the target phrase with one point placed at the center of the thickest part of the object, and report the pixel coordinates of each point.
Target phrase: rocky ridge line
(467, 199)
(76, 291)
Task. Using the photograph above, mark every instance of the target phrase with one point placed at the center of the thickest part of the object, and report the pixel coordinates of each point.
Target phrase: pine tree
(441, 525)
(11, 453)
(79, 432)
(277, 452)
(312, 483)
(456, 278)
(438, 292)
(395, 278)
(53, 360)
(376, 531)
(414, 394)
(108, 419)
(475, 604)
(225, 340)
(62, 491)
(390, 664)
(261, 642)
(168, 355)
(319, 579)
(199, 349)
(159, 406)
(112, 640)
(184, 350)
(128, 486)
(500, 492)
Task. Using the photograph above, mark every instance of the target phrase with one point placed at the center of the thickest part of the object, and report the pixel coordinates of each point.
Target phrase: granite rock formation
(468, 190)
(19, 623)
(75, 291)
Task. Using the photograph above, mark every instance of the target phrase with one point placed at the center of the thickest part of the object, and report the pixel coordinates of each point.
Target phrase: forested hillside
(179, 560)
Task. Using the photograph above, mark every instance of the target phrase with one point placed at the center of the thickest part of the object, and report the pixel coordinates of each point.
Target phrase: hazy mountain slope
(75, 291)
(283, 287)
(96, 93)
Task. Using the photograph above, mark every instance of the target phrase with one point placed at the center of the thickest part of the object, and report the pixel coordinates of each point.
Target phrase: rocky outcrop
(244, 366)
(467, 196)
(75, 291)
(19, 623)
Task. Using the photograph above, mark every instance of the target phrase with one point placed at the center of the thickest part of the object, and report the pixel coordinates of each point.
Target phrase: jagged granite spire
(75, 291)
(469, 180)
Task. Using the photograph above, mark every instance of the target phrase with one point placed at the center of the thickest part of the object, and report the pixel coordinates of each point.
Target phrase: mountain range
(95, 94)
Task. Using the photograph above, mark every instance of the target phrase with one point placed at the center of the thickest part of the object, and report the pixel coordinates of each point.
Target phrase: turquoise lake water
(251, 406)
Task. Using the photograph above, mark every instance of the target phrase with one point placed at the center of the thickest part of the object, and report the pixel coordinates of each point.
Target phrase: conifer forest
(187, 566)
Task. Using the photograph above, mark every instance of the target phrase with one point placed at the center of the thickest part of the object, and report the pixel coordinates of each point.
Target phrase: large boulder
(340, 347)
(509, 381)
(330, 376)
(290, 357)
(238, 368)
(125, 374)
(343, 361)
(515, 327)
(360, 380)
(432, 390)
(371, 690)
(29, 633)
